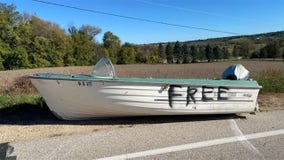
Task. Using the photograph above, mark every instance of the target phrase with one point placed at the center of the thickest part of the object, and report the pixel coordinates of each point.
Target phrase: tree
(140, 58)
(178, 52)
(9, 18)
(186, 55)
(83, 47)
(18, 59)
(111, 45)
(236, 51)
(152, 58)
(217, 53)
(92, 31)
(245, 46)
(169, 53)
(161, 52)
(273, 49)
(226, 53)
(202, 53)
(5, 53)
(209, 53)
(127, 54)
(193, 52)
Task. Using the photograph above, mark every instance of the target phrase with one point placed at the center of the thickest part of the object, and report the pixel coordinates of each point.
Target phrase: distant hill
(256, 38)
(264, 45)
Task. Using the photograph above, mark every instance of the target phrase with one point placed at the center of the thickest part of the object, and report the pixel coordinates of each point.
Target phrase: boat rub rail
(154, 81)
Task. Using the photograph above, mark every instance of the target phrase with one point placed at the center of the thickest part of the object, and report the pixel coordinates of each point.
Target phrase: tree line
(27, 41)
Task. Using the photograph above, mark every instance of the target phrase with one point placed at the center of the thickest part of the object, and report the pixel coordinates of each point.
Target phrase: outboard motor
(236, 72)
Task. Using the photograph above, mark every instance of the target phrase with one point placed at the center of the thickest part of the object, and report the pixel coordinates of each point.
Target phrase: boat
(104, 94)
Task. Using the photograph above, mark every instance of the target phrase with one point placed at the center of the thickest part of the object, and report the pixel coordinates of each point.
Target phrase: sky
(154, 21)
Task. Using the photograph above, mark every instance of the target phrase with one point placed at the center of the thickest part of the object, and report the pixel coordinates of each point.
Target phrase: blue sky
(243, 17)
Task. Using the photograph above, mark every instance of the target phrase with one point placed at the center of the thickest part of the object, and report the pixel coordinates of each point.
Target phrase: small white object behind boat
(103, 94)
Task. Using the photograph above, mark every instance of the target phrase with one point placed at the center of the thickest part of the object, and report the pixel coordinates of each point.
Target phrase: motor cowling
(236, 72)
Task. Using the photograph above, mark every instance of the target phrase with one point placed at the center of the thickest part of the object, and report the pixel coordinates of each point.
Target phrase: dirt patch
(271, 101)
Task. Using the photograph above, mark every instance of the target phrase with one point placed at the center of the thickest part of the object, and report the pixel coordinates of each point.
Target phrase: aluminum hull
(83, 97)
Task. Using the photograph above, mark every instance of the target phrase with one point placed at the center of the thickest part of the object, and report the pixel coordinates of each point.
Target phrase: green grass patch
(271, 81)
(7, 100)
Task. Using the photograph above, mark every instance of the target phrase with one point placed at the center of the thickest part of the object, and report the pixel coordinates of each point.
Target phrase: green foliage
(226, 53)
(209, 53)
(217, 53)
(271, 50)
(27, 41)
(140, 58)
(186, 54)
(13, 100)
(169, 53)
(194, 55)
(127, 54)
(111, 46)
(271, 81)
(178, 52)
(161, 52)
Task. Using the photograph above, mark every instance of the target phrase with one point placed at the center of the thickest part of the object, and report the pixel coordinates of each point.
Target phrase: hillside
(262, 38)
(264, 45)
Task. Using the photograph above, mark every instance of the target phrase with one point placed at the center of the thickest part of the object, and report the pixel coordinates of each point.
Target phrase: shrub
(21, 85)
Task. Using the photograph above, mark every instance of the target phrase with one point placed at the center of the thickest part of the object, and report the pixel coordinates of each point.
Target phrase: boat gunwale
(122, 80)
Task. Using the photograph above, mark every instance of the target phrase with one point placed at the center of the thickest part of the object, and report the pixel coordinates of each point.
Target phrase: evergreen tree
(169, 53)
(194, 55)
(186, 55)
(161, 52)
(217, 52)
(236, 51)
(178, 53)
(226, 53)
(209, 53)
(273, 49)
(202, 53)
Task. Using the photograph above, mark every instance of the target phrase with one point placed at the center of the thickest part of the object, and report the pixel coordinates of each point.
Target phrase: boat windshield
(104, 69)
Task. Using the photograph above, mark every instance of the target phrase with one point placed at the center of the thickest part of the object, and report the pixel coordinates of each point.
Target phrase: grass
(24, 109)
(8, 100)
(272, 81)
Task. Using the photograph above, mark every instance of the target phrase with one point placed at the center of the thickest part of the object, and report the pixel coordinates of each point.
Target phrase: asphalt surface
(259, 136)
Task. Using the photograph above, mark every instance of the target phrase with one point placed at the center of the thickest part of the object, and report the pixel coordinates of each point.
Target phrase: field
(198, 70)
(30, 121)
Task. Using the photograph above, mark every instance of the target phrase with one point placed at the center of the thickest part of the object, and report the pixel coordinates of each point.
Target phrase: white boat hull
(76, 99)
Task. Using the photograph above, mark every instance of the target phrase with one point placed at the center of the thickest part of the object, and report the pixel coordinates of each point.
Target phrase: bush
(21, 85)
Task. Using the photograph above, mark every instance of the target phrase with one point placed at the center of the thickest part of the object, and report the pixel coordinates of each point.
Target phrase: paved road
(259, 136)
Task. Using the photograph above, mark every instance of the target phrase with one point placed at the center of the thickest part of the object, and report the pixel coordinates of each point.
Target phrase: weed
(21, 85)
(272, 81)
(15, 100)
